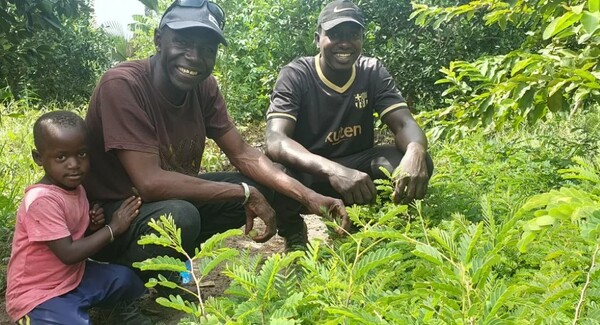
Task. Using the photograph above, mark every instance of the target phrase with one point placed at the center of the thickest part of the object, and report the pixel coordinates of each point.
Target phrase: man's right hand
(257, 206)
(354, 186)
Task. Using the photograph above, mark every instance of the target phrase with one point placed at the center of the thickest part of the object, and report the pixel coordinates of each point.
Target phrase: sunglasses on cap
(214, 8)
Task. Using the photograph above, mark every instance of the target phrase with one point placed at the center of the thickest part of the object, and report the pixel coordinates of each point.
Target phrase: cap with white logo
(179, 17)
(340, 11)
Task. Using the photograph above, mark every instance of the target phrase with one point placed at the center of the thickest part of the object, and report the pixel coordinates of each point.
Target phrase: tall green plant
(201, 263)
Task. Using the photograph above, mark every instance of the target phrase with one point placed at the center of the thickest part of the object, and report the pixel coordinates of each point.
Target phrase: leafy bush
(49, 51)
(508, 166)
(414, 53)
(554, 71)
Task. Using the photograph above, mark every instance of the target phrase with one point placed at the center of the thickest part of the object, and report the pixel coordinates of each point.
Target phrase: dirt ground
(166, 316)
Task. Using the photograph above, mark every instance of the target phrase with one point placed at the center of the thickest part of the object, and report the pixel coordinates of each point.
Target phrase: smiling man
(148, 121)
(320, 123)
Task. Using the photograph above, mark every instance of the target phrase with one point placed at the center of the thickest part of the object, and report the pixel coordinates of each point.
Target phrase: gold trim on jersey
(387, 110)
(330, 84)
(282, 115)
(24, 321)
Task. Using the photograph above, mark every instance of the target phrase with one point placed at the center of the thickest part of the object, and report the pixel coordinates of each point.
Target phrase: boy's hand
(96, 218)
(124, 216)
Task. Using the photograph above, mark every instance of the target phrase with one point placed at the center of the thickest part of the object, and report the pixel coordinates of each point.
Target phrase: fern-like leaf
(216, 241)
(160, 263)
(375, 259)
(220, 257)
(429, 253)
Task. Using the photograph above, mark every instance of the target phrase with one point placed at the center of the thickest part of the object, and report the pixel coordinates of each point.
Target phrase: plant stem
(586, 285)
(197, 282)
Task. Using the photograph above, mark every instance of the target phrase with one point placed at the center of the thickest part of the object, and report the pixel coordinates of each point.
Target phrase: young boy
(49, 279)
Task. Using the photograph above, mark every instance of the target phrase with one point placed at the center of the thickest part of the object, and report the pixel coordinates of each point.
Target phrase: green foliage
(554, 72)
(205, 260)
(50, 51)
(569, 204)
(414, 53)
(143, 28)
(457, 272)
(508, 167)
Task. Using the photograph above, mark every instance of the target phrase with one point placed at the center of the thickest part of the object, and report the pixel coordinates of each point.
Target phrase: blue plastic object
(186, 277)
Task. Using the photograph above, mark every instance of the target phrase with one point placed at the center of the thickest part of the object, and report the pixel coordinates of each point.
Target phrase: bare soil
(162, 315)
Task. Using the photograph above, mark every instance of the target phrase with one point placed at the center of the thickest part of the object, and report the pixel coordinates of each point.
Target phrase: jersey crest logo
(361, 100)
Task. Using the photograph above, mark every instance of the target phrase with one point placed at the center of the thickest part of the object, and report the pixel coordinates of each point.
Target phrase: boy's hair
(61, 119)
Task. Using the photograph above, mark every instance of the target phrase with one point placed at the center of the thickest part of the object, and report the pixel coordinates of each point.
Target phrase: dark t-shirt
(334, 121)
(127, 112)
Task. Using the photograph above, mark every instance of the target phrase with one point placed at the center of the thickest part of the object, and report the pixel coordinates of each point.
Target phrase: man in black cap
(148, 120)
(320, 123)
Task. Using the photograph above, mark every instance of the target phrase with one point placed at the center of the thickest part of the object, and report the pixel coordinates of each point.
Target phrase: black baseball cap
(180, 15)
(340, 11)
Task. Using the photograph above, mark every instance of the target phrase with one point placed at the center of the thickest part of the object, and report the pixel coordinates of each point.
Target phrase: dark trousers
(288, 211)
(102, 285)
(198, 221)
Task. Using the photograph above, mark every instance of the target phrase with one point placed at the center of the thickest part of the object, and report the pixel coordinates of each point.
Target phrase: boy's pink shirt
(35, 274)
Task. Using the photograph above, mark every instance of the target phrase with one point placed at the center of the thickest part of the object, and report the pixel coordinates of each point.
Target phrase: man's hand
(96, 218)
(354, 186)
(329, 207)
(257, 206)
(414, 176)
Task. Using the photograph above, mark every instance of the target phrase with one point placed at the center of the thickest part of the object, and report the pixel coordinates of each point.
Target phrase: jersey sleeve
(45, 220)
(287, 94)
(387, 96)
(125, 124)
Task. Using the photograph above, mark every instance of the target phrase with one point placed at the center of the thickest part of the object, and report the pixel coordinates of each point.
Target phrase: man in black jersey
(320, 123)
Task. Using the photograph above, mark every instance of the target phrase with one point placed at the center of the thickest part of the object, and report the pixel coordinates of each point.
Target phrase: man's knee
(184, 214)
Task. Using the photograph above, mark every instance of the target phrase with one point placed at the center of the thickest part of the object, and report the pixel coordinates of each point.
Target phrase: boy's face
(64, 156)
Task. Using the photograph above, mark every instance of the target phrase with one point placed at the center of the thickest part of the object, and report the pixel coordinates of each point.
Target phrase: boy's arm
(71, 252)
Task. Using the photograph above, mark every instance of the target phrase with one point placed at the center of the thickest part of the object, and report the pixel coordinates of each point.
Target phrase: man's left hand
(414, 176)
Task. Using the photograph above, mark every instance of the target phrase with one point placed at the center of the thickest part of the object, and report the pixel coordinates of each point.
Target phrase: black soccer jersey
(334, 121)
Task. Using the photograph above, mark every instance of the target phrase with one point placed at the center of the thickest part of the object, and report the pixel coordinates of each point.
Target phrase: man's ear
(37, 158)
(317, 39)
(157, 39)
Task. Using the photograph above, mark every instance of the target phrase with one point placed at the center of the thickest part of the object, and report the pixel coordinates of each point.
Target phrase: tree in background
(49, 50)
(414, 54)
(554, 72)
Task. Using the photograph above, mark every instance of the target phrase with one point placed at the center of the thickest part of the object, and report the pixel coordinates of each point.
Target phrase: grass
(17, 170)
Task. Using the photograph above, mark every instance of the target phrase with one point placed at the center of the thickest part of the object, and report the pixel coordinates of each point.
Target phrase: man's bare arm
(411, 140)
(354, 186)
